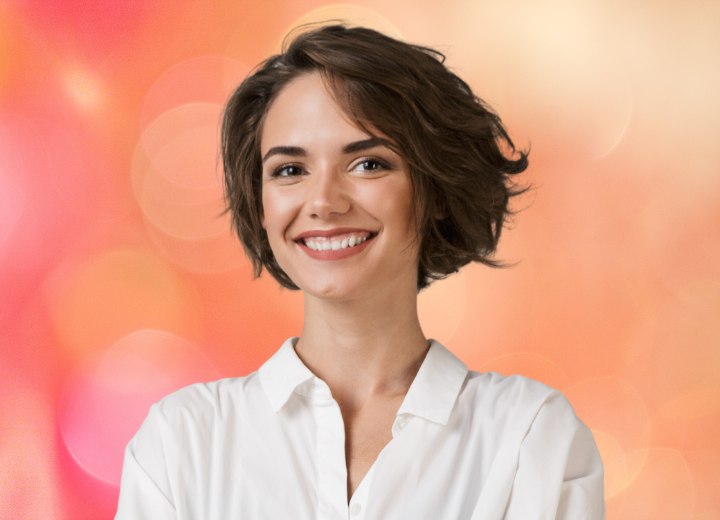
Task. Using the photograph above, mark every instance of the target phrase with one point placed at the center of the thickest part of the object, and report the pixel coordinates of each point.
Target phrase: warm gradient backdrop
(120, 281)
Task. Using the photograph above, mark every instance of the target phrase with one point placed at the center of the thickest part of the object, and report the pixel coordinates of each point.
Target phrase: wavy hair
(460, 157)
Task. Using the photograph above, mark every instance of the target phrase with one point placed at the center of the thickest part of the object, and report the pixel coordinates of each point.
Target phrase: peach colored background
(120, 281)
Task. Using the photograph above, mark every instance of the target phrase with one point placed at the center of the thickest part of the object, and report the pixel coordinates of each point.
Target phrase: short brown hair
(459, 154)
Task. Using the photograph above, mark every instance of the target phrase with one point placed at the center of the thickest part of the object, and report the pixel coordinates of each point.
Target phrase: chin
(328, 289)
(330, 292)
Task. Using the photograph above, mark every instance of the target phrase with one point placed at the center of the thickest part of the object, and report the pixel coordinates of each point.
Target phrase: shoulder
(513, 392)
(205, 403)
(546, 456)
(513, 402)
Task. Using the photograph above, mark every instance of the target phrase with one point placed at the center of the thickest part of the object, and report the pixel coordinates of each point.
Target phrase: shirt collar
(431, 395)
(282, 374)
(436, 387)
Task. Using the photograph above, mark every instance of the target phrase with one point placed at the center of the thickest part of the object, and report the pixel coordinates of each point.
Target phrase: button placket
(332, 473)
(359, 502)
(355, 510)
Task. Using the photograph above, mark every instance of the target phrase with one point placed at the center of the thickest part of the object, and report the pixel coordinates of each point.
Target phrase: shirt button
(402, 422)
(355, 509)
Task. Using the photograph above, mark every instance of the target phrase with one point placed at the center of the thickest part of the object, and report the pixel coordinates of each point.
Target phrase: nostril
(328, 204)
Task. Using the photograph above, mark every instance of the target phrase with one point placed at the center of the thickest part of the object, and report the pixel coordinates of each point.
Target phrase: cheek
(269, 208)
(399, 205)
(277, 212)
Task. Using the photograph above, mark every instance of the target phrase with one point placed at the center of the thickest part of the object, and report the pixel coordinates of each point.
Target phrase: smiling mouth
(338, 242)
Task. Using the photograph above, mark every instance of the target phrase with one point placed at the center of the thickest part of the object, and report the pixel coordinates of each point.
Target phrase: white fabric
(271, 446)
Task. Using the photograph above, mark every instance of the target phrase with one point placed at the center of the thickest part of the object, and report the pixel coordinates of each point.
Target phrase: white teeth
(334, 244)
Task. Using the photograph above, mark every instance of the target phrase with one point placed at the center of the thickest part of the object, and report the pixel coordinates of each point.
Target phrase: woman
(358, 170)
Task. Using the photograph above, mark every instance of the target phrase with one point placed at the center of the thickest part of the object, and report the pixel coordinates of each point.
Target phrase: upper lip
(331, 232)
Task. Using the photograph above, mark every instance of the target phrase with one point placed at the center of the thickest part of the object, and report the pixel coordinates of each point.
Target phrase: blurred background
(120, 280)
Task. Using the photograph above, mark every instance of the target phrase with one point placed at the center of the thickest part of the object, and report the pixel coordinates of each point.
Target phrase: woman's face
(337, 202)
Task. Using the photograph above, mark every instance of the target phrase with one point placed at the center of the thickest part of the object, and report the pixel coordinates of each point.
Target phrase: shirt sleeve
(144, 488)
(559, 474)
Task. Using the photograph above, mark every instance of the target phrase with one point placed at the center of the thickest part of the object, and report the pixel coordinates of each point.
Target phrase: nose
(328, 195)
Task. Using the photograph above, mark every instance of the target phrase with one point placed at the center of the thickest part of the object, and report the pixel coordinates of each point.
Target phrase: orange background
(120, 280)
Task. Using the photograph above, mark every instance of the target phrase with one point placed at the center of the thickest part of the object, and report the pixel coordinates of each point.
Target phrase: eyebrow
(295, 151)
(366, 144)
(355, 146)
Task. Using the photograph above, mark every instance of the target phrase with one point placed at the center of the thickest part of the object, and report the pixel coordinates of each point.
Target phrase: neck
(364, 348)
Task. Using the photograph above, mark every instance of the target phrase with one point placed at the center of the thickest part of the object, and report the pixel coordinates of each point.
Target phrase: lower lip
(335, 254)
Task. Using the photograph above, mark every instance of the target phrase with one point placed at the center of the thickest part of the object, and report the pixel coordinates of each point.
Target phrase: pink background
(120, 280)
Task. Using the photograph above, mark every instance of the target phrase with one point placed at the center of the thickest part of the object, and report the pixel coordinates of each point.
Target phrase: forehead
(305, 112)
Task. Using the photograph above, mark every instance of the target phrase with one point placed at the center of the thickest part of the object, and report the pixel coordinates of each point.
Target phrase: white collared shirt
(272, 446)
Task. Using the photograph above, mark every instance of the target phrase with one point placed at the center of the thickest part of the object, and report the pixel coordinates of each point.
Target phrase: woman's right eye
(289, 170)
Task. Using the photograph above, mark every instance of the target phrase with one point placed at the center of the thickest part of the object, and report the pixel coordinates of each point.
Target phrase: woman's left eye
(371, 165)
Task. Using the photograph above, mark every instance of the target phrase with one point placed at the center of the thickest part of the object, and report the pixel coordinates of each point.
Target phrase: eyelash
(277, 172)
(280, 171)
(379, 164)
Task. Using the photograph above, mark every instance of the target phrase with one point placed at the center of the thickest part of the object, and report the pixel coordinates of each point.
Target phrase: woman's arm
(144, 487)
(559, 474)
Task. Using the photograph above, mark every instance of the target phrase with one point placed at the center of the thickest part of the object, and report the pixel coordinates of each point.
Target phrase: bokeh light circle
(674, 360)
(203, 79)
(84, 87)
(178, 184)
(107, 398)
(705, 469)
(101, 298)
(559, 82)
(175, 172)
(618, 414)
(663, 490)
(216, 254)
